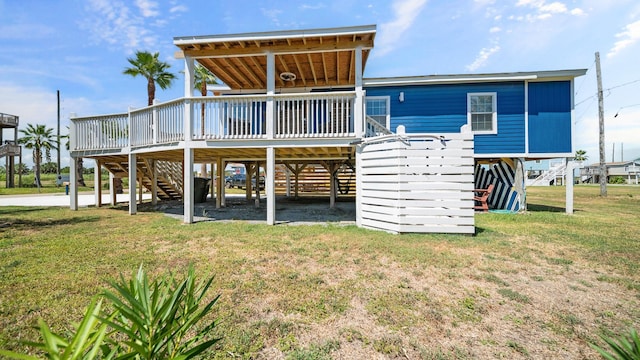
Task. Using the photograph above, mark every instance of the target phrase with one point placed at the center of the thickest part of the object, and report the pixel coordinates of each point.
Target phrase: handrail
(230, 117)
(11, 120)
(374, 128)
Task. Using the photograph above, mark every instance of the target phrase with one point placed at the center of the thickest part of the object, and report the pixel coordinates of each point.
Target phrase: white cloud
(405, 13)
(313, 7)
(148, 8)
(178, 8)
(25, 31)
(495, 29)
(577, 12)
(554, 8)
(114, 23)
(622, 129)
(628, 37)
(543, 10)
(273, 15)
(483, 57)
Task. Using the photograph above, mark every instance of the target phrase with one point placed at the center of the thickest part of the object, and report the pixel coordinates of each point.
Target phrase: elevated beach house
(416, 146)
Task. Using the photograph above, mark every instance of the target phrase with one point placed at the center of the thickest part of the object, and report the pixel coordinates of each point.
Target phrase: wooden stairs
(169, 175)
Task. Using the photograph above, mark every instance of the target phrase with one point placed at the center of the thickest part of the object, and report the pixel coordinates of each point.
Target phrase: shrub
(617, 180)
(159, 319)
(623, 348)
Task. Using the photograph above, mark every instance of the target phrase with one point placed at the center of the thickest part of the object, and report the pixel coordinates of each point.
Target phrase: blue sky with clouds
(80, 48)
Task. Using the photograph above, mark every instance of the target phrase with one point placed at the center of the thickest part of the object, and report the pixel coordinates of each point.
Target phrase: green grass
(319, 291)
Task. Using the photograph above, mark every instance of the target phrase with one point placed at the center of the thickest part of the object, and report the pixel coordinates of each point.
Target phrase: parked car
(239, 181)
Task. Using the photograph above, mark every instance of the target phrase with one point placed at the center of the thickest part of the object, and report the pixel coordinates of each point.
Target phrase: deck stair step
(169, 176)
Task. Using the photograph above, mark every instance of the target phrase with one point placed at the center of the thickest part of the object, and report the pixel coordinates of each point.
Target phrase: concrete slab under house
(297, 108)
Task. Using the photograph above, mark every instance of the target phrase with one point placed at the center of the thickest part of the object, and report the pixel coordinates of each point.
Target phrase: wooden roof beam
(352, 62)
(278, 49)
(237, 73)
(286, 68)
(304, 81)
(313, 69)
(251, 73)
(220, 72)
(324, 68)
(337, 67)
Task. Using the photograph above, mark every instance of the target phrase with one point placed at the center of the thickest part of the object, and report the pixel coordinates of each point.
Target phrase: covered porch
(294, 97)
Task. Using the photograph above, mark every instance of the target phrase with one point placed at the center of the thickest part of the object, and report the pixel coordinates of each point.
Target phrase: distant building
(629, 170)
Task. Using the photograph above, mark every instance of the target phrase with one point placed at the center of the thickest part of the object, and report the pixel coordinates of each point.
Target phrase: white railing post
(72, 132)
(131, 130)
(358, 117)
(271, 87)
(154, 122)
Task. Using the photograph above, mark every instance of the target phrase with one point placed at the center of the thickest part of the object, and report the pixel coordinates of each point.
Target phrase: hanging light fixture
(287, 76)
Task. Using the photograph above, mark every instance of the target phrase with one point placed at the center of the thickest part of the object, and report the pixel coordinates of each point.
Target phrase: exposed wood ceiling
(317, 58)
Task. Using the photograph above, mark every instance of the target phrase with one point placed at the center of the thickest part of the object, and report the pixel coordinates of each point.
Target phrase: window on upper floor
(482, 113)
(378, 109)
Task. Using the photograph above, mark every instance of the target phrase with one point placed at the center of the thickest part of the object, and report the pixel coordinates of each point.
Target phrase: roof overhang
(316, 58)
(475, 78)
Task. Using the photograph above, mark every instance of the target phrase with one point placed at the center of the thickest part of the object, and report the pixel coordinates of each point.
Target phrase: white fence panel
(417, 183)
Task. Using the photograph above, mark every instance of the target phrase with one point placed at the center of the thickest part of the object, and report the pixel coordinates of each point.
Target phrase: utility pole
(603, 166)
(58, 91)
(613, 153)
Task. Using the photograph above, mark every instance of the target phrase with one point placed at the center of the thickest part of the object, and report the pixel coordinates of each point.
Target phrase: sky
(80, 48)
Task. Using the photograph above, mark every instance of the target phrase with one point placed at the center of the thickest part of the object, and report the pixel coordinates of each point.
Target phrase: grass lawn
(537, 285)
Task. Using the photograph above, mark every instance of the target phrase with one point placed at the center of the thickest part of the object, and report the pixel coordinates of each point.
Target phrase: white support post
(358, 186)
(133, 176)
(214, 184)
(187, 187)
(287, 173)
(270, 182)
(154, 183)
(73, 184)
(97, 183)
(271, 90)
(358, 114)
(112, 190)
(187, 194)
(219, 182)
(332, 184)
(568, 180)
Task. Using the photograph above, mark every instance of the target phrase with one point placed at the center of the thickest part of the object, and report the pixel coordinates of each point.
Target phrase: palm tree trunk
(37, 158)
(151, 90)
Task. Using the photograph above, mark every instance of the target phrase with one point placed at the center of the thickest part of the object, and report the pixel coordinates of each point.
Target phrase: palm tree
(203, 77)
(581, 155)
(40, 139)
(155, 71)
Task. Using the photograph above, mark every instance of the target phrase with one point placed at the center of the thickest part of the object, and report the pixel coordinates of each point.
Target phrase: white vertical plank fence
(417, 183)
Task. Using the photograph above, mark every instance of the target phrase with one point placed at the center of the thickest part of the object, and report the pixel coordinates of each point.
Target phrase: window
(481, 113)
(378, 109)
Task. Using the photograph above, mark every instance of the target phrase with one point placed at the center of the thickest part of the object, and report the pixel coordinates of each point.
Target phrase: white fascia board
(287, 34)
(524, 155)
(451, 79)
(475, 78)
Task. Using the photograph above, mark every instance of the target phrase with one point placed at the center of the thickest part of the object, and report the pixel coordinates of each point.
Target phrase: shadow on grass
(546, 208)
(288, 210)
(40, 224)
(12, 210)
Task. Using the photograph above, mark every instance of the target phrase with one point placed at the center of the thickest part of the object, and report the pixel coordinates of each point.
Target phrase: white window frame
(387, 99)
(494, 105)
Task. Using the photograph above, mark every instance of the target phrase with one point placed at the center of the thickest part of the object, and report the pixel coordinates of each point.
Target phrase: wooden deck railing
(325, 115)
(8, 120)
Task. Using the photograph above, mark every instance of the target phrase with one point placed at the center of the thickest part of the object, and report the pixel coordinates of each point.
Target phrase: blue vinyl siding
(443, 108)
(550, 117)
